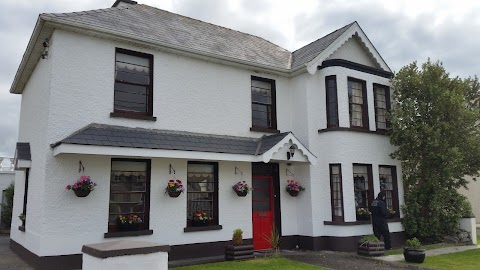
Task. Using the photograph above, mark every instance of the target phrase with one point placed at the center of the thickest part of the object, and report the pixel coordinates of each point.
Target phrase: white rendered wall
(32, 128)
(473, 195)
(354, 51)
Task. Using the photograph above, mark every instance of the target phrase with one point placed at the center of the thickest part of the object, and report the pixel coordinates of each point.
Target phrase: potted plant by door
(129, 222)
(241, 188)
(82, 186)
(238, 251)
(293, 188)
(174, 188)
(369, 245)
(412, 251)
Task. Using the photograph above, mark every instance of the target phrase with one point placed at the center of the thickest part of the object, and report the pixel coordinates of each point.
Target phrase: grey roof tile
(169, 140)
(160, 26)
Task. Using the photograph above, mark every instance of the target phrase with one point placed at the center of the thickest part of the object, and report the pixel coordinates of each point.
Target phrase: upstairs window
(332, 103)
(263, 103)
(357, 98)
(133, 82)
(381, 95)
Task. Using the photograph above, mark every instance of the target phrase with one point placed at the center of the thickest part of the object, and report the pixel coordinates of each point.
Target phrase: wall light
(291, 152)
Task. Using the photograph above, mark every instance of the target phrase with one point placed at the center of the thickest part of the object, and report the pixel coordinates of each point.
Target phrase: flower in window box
(362, 214)
(200, 218)
(293, 188)
(130, 222)
(241, 188)
(390, 212)
(174, 188)
(82, 186)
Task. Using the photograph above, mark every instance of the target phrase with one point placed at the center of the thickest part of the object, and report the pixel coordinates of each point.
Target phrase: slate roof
(108, 135)
(156, 25)
(23, 151)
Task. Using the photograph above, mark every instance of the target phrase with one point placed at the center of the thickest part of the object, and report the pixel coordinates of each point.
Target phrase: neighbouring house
(7, 177)
(134, 96)
(473, 195)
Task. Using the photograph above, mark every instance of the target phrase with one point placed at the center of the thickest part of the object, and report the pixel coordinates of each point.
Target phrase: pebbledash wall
(74, 87)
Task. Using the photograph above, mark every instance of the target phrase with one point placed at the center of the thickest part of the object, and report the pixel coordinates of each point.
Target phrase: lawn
(466, 260)
(257, 264)
(426, 247)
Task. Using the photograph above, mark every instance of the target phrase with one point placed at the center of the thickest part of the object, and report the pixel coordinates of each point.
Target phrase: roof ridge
(79, 13)
(216, 25)
(345, 26)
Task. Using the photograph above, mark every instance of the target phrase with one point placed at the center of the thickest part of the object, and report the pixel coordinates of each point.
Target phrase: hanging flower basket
(82, 186)
(81, 192)
(241, 188)
(174, 188)
(293, 188)
(293, 193)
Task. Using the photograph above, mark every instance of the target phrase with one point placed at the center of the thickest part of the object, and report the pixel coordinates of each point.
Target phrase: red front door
(262, 211)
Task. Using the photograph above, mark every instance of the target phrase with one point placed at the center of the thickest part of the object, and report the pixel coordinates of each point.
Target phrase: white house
(137, 96)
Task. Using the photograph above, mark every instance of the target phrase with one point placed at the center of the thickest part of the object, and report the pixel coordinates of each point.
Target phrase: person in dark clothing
(379, 219)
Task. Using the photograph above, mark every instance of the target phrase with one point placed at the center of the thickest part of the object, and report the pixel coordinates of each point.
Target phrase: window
(388, 183)
(336, 192)
(382, 105)
(332, 104)
(263, 103)
(202, 191)
(357, 98)
(133, 82)
(363, 185)
(129, 191)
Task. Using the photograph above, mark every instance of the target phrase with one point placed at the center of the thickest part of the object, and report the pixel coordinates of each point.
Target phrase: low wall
(469, 225)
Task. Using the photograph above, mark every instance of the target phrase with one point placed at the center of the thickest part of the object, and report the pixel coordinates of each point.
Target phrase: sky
(402, 31)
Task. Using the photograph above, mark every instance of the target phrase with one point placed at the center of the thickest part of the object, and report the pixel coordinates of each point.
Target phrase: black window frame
(149, 104)
(394, 190)
(332, 197)
(112, 228)
(273, 105)
(329, 102)
(369, 191)
(365, 119)
(215, 220)
(387, 104)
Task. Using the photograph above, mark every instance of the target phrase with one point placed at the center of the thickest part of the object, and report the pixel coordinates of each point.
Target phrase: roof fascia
(352, 30)
(289, 139)
(66, 148)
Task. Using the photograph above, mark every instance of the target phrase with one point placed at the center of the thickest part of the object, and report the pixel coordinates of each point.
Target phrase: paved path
(8, 259)
(434, 252)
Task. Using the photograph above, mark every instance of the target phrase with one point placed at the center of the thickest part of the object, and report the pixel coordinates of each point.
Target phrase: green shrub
(414, 243)
(7, 208)
(369, 238)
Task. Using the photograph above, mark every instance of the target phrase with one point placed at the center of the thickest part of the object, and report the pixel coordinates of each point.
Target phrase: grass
(257, 264)
(426, 247)
(466, 260)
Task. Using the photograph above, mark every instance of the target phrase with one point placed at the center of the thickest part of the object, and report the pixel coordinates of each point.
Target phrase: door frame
(271, 169)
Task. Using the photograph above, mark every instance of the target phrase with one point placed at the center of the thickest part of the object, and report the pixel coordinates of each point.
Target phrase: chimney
(124, 3)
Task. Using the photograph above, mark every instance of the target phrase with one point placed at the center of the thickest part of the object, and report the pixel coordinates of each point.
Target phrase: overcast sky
(402, 31)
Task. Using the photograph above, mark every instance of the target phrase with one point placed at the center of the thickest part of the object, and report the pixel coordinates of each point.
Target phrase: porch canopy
(100, 139)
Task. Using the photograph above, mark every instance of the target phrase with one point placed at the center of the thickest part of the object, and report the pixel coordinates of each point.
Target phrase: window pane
(128, 186)
(262, 103)
(131, 59)
(356, 103)
(361, 183)
(201, 186)
(336, 191)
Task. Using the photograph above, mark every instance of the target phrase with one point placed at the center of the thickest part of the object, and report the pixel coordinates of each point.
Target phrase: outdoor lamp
(291, 152)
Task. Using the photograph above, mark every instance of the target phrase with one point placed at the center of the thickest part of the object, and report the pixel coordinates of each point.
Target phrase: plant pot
(390, 216)
(243, 252)
(81, 192)
(128, 226)
(293, 193)
(414, 255)
(371, 248)
(363, 217)
(174, 194)
(199, 223)
(241, 193)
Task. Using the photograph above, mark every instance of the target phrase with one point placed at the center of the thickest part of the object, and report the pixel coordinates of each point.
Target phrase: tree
(7, 208)
(434, 124)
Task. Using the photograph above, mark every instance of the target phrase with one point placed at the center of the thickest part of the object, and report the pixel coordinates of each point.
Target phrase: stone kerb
(469, 225)
(125, 255)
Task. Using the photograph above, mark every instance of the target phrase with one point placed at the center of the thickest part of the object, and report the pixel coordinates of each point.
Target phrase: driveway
(8, 259)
